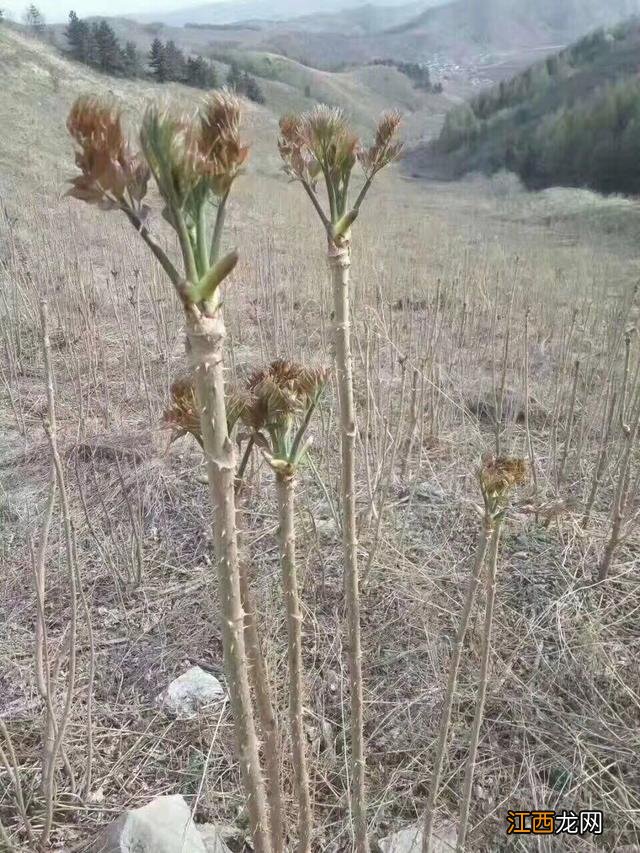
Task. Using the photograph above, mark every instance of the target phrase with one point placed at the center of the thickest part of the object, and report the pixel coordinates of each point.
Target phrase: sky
(54, 11)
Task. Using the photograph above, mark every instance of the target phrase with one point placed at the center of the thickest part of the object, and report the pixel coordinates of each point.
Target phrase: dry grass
(434, 267)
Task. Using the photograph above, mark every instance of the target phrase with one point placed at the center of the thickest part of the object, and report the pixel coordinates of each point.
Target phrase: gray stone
(430, 492)
(162, 826)
(409, 840)
(193, 690)
(213, 840)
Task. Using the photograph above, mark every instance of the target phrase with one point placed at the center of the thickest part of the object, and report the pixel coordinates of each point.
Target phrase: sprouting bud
(280, 391)
(168, 141)
(110, 171)
(328, 137)
(386, 147)
(298, 160)
(222, 153)
(182, 416)
(189, 151)
(499, 475)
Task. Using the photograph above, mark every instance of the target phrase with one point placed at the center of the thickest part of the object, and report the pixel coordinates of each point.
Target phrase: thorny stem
(339, 261)
(205, 338)
(445, 716)
(483, 683)
(285, 491)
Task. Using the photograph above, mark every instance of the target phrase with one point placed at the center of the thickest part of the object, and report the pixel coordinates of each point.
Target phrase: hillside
(234, 11)
(481, 315)
(514, 23)
(480, 32)
(572, 120)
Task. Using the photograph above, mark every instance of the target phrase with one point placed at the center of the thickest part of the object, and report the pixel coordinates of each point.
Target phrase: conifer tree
(77, 35)
(131, 60)
(200, 73)
(157, 61)
(174, 62)
(109, 54)
(34, 19)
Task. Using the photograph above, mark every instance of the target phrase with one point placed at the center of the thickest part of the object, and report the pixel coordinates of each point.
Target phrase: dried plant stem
(570, 421)
(59, 727)
(10, 764)
(621, 495)
(527, 424)
(445, 716)
(86, 782)
(206, 336)
(285, 492)
(503, 375)
(482, 686)
(601, 464)
(339, 261)
(6, 842)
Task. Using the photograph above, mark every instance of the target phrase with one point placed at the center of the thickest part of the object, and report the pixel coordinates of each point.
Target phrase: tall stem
(259, 678)
(205, 339)
(445, 717)
(340, 261)
(482, 686)
(285, 490)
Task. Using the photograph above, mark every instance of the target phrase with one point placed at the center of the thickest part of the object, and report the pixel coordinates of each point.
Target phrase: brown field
(443, 277)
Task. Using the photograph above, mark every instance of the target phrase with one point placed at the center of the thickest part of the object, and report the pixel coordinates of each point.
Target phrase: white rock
(327, 529)
(212, 838)
(409, 840)
(162, 826)
(193, 690)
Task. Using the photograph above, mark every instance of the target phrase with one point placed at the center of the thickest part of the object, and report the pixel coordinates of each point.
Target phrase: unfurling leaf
(341, 228)
(109, 169)
(209, 283)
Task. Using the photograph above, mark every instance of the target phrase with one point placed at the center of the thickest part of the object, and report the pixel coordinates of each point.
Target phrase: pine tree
(200, 73)
(157, 61)
(77, 35)
(131, 60)
(34, 19)
(110, 58)
(234, 77)
(174, 62)
(252, 90)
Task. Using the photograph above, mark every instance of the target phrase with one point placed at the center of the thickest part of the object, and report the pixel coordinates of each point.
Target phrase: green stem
(217, 230)
(302, 429)
(243, 464)
(190, 266)
(160, 255)
(314, 198)
(363, 192)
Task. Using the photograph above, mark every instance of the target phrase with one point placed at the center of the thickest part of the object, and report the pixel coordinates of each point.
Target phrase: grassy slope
(447, 252)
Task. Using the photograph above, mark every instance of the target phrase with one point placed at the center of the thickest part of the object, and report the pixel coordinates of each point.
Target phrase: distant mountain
(509, 23)
(572, 120)
(234, 11)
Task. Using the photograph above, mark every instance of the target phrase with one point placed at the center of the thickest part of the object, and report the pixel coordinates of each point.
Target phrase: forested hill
(572, 120)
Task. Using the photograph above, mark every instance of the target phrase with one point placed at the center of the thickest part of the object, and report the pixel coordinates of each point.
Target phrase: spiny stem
(482, 687)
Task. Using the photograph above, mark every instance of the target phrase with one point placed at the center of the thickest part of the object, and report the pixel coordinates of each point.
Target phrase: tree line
(97, 45)
(571, 120)
(417, 72)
